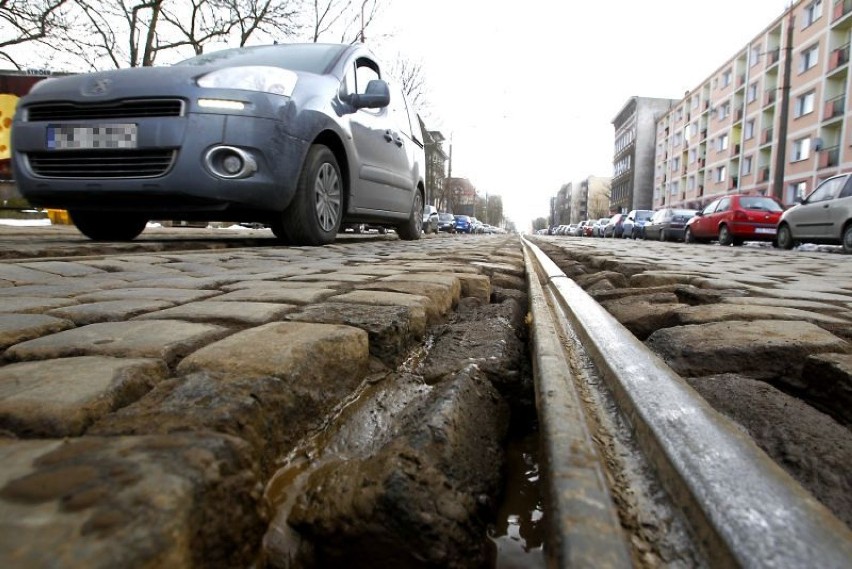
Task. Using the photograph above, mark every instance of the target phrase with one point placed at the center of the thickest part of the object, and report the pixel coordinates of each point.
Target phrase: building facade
(775, 119)
(633, 157)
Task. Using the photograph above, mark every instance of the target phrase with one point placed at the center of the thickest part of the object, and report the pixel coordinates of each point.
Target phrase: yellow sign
(7, 111)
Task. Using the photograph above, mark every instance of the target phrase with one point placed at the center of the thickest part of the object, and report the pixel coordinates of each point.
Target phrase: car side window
(710, 208)
(847, 189)
(724, 205)
(825, 191)
(399, 112)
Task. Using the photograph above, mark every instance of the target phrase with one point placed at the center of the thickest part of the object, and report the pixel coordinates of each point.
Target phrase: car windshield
(312, 57)
(760, 203)
(686, 212)
(644, 215)
(446, 217)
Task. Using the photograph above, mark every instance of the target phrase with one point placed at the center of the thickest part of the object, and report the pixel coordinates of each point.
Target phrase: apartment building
(633, 156)
(774, 119)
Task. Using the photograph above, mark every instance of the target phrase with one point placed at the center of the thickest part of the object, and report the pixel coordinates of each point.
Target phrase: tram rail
(741, 508)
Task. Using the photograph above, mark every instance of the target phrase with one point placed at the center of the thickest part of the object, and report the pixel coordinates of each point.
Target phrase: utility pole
(781, 149)
(362, 20)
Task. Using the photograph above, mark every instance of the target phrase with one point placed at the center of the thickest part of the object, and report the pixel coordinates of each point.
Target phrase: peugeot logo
(97, 87)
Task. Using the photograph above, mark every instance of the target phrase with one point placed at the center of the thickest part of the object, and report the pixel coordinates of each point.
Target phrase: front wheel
(314, 215)
(785, 237)
(663, 235)
(410, 230)
(846, 239)
(108, 225)
(725, 237)
(688, 237)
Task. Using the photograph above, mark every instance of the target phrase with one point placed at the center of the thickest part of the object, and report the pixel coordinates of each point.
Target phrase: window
(805, 104)
(693, 129)
(721, 174)
(747, 165)
(748, 129)
(675, 187)
(675, 164)
(724, 205)
(809, 58)
(813, 12)
(724, 111)
(827, 190)
(710, 208)
(796, 191)
(693, 155)
(751, 95)
(722, 143)
(690, 183)
(726, 78)
(801, 149)
(754, 56)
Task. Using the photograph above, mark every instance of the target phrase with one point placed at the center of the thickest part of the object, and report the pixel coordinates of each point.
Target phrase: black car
(447, 222)
(667, 224)
(306, 138)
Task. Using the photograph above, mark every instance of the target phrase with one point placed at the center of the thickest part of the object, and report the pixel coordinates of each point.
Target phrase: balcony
(763, 175)
(735, 151)
(841, 8)
(829, 157)
(834, 107)
(769, 97)
(738, 115)
(773, 56)
(766, 137)
(838, 57)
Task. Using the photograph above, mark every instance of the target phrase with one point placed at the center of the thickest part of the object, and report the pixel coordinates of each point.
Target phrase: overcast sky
(528, 90)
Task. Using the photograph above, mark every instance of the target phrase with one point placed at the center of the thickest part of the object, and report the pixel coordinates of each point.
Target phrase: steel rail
(743, 509)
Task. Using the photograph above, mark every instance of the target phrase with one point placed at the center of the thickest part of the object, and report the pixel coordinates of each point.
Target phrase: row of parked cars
(449, 223)
(824, 216)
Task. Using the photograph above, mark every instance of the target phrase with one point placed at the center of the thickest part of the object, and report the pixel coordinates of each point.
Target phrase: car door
(702, 226)
(813, 217)
(376, 164)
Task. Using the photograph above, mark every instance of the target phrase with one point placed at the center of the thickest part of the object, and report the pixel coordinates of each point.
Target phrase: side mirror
(376, 96)
(699, 213)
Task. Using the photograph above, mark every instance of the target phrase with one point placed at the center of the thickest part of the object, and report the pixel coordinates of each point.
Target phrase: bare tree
(412, 82)
(347, 19)
(30, 21)
(273, 19)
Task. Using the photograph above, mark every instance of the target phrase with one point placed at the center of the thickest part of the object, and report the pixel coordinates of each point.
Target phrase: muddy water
(517, 534)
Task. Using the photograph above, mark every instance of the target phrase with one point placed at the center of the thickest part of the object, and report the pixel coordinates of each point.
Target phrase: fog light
(232, 164)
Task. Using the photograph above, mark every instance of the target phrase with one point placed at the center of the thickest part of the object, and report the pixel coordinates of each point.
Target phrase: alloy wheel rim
(327, 194)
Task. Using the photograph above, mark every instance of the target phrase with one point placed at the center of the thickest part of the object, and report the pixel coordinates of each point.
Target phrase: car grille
(126, 109)
(99, 164)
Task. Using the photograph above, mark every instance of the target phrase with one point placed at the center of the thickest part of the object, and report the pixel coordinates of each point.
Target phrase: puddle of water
(517, 535)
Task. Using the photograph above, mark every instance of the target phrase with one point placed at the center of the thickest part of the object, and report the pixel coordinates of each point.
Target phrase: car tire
(846, 239)
(410, 230)
(688, 237)
(725, 238)
(383, 230)
(314, 215)
(784, 237)
(663, 236)
(108, 225)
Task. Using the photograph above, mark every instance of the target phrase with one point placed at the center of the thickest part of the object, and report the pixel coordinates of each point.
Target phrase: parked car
(447, 222)
(251, 134)
(589, 228)
(579, 231)
(668, 224)
(430, 219)
(463, 224)
(824, 216)
(476, 226)
(598, 225)
(634, 222)
(614, 226)
(734, 219)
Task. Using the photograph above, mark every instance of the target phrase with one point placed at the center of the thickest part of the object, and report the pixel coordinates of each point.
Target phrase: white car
(824, 216)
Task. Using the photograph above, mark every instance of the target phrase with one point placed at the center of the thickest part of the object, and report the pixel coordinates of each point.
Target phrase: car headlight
(261, 78)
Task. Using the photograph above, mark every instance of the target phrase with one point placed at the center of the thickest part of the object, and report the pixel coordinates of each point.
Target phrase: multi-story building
(633, 159)
(774, 119)
(560, 206)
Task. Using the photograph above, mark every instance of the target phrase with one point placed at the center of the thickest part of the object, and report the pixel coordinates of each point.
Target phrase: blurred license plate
(769, 230)
(91, 137)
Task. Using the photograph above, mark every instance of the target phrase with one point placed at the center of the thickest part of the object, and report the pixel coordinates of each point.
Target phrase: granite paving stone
(272, 284)
(16, 328)
(32, 304)
(63, 268)
(285, 295)
(440, 294)
(168, 340)
(223, 313)
(327, 357)
(108, 310)
(385, 298)
(22, 275)
(59, 288)
(60, 398)
(176, 295)
(449, 280)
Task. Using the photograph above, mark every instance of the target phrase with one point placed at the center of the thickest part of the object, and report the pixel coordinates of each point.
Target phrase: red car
(734, 219)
